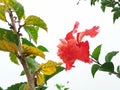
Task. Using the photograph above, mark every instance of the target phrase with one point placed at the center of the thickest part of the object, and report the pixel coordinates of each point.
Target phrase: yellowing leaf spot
(8, 46)
(2, 13)
(6, 2)
(26, 87)
(1, 1)
(30, 50)
(49, 67)
(40, 79)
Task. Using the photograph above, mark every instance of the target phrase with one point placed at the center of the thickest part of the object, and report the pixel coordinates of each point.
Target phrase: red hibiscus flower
(73, 48)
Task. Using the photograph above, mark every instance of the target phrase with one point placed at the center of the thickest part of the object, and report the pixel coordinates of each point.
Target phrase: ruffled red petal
(73, 48)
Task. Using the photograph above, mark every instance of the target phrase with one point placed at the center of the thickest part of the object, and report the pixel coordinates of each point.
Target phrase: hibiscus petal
(88, 32)
(67, 52)
(69, 65)
(76, 25)
(70, 34)
(84, 52)
(92, 32)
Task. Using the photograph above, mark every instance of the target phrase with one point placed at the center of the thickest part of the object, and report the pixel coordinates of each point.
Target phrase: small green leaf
(33, 65)
(118, 75)
(96, 52)
(13, 58)
(110, 55)
(94, 1)
(32, 32)
(22, 86)
(115, 9)
(118, 69)
(66, 88)
(22, 73)
(41, 88)
(15, 86)
(108, 67)
(1, 88)
(94, 69)
(25, 41)
(36, 21)
(58, 86)
(106, 3)
(116, 15)
(44, 49)
(2, 13)
(18, 8)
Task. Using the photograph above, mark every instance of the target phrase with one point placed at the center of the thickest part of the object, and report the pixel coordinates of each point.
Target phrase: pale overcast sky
(60, 16)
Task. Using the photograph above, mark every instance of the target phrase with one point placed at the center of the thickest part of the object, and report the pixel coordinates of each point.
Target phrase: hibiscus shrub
(72, 48)
(24, 50)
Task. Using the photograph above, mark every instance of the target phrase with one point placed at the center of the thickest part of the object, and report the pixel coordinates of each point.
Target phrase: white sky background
(60, 16)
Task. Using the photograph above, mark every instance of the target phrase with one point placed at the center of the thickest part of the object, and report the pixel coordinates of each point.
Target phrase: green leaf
(42, 88)
(94, 69)
(13, 58)
(108, 67)
(8, 41)
(66, 88)
(25, 41)
(15, 6)
(1, 88)
(115, 9)
(116, 15)
(58, 86)
(59, 69)
(118, 75)
(15, 86)
(8, 35)
(110, 55)
(96, 52)
(118, 69)
(18, 8)
(2, 13)
(44, 49)
(94, 1)
(36, 21)
(33, 65)
(32, 32)
(22, 86)
(22, 73)
(106, 3)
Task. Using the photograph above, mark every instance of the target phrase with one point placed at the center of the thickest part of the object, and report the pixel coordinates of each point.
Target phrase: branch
(29, 76)
(97, 62)
(12, 25)
(21, 57)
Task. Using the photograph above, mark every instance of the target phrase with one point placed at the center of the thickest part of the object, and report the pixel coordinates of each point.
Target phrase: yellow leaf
(1, 1)
(49, 67)
(6, 2)
(8, 46)
(26, 87)
(30, 50)
(2, 13)
(40, 79)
